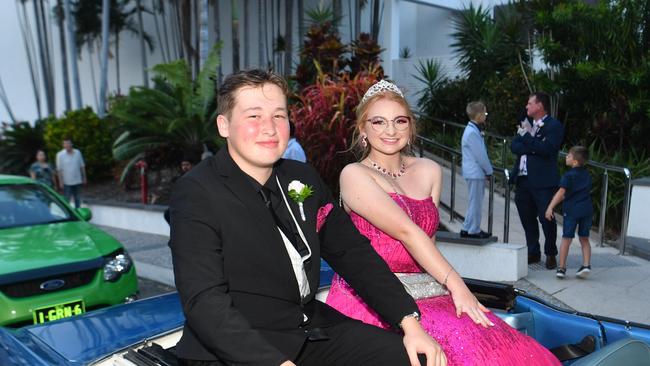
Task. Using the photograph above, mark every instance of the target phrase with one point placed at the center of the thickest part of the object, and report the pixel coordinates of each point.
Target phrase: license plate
(59, 311)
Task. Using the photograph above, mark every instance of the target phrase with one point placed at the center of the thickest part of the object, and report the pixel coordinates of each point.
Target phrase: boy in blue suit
(476, 169)
(575, 190)
(536, 175)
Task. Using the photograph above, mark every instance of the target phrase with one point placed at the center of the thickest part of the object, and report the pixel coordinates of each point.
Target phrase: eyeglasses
(379, 123)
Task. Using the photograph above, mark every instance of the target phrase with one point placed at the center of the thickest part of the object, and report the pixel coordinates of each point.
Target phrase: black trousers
(531, 205)
(351, 343)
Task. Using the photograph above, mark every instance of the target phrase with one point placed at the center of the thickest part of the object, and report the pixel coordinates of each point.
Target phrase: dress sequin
(463, 342)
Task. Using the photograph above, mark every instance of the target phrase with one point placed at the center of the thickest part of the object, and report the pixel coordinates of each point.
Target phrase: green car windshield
(29, 204)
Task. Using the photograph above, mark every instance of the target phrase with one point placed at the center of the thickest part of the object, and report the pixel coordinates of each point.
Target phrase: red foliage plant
(325, 116)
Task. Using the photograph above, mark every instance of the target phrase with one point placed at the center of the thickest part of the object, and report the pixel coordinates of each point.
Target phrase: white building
(424, 26)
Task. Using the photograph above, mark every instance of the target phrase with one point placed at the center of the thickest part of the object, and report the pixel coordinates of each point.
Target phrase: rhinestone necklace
(402, 169)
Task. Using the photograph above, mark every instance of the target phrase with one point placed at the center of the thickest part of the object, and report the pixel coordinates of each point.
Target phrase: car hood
(33, 247)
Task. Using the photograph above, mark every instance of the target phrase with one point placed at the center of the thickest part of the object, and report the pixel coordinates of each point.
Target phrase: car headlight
(116, 265)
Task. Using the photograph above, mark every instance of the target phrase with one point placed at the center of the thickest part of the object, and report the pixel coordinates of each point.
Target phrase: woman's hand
(466, 302)
(416, 341)
(549, 214)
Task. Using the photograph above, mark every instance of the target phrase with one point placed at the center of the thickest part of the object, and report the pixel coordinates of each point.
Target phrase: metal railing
(455, 155)
(505, 141)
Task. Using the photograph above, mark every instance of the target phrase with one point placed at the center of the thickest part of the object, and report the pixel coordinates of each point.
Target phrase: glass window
(29, 204)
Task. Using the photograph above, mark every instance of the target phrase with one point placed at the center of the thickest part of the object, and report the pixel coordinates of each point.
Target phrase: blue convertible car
(145, 332)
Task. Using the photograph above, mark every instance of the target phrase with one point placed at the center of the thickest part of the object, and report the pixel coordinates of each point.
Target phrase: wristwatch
(414, 314)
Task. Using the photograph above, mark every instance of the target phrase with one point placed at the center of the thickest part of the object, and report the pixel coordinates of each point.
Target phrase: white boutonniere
(299, 192)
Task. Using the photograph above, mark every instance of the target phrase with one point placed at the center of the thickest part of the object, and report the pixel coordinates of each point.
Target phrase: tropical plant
(364, 53)
(429, 73)
(90, 134)
(325, 118)
(322, 45)
(600, 72)
(18, 145)
(486, 47)
(176, 115)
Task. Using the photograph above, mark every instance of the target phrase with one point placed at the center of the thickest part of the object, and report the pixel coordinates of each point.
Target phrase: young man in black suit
(536, 175)
(247, 256)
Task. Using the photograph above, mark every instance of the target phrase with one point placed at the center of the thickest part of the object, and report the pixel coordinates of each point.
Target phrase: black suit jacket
(234, 276)
(541, 153)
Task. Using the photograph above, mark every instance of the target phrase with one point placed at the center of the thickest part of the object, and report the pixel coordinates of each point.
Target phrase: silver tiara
(381, 86)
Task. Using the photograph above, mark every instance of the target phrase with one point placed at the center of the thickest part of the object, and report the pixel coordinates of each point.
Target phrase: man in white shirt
(71, 170)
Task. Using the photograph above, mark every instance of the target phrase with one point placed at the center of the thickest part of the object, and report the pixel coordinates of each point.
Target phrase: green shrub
(90, 134)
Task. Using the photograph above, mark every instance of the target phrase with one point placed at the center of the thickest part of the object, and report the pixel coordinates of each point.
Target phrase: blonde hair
(362, 117)
(474, 109)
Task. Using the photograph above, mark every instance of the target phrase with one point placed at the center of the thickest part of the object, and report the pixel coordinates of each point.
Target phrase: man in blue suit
(536, 175)
(476, 169)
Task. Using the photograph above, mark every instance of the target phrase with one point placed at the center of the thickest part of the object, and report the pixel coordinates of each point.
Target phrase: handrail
(596, 164)
(452, 199)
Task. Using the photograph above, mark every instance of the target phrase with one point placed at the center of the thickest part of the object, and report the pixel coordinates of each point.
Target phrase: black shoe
(534, 258)
(560, 273)
(551, 263)
(583, 272)
(479, 235)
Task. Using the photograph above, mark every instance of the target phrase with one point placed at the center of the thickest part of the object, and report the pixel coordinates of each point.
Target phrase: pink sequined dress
(464, 342)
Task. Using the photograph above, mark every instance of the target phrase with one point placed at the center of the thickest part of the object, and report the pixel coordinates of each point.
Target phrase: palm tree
(235, 37)
(103, 83)
(25, 30)
(44, 52)
(175, 115)
(288, 37)
(5, 101)
(64, 56)
(67, 11)
(204, 41)
(143, 51)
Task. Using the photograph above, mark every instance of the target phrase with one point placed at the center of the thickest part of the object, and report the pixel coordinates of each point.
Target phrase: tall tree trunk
(235, 37)
(28, 42)
(156, 14)
(5, 101)
(44, 60)
(204, 43)
(143, 50)
(357, 18)
(91, 63)
(197, 45)
(163, 12)
(118, 82)
(73, 53)
(270, 52)
(288, 37)
(217, 35)
(301, 21)
(64, 55)
(186, 30)
(247, 30)
(177, 36)
(375, 19)
(336, 10)
(103, 81)
(47, 39)
(260, 32)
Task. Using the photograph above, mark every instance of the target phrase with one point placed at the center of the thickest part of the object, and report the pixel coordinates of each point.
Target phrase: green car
(53, 263)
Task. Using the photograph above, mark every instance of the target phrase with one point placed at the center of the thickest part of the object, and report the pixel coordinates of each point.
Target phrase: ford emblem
(52, 285)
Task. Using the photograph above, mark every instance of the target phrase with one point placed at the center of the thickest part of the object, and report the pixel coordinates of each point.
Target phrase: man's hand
(288, 363)
(416, 340)
(549, 214)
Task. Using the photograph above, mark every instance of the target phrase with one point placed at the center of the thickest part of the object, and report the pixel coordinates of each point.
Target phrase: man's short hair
(580, 154)
(474, 109)
(543, 98)
(251, 78)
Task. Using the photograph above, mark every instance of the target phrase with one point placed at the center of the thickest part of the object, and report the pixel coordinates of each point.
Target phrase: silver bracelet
(444, 283)
(414, 314)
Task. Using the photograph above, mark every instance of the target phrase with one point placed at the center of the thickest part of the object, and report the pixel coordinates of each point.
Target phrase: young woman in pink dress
(392, 199)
